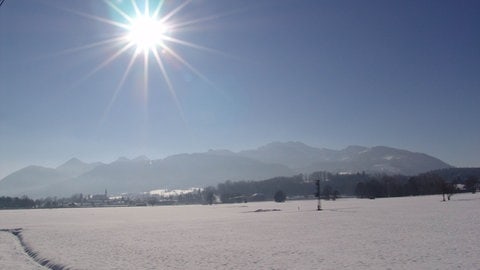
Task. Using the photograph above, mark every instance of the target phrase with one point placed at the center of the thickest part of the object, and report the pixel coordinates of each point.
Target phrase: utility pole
(317, 194)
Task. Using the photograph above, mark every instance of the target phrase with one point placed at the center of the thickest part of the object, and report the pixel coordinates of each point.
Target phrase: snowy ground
(12, 255)
(394, 233)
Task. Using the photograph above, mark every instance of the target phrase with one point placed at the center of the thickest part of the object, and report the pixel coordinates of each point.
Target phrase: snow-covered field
(394, 233)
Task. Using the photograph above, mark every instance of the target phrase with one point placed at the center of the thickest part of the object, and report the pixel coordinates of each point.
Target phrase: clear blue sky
(403, 74)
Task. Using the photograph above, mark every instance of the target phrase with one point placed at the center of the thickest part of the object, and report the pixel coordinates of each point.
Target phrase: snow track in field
(18, 255)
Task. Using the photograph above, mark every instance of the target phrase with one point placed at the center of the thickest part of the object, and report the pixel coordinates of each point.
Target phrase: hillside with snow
(210, 168)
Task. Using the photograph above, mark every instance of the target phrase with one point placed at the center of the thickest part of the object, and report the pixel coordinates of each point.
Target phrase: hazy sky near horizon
(404, 74)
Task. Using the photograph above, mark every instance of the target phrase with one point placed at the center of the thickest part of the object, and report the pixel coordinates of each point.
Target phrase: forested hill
(457, 175)
(360, 184)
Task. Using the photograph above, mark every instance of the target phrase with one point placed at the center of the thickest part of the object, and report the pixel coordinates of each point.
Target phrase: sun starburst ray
(183, 24)
(135, 8)
(207, 49)
(169, 84)
(192, 45)
(175, 11)
(106, 62)
(117, 9)
(97, 18)
(145, 76)
(165, 75)
(147, 9)
(101, 43)
(183, 61)
(117, 89)
(156, 12)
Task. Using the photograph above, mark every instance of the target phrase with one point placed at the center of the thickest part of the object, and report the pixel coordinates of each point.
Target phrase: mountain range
(209, 168)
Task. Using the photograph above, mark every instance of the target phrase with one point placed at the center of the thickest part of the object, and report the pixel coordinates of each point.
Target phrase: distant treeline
(458, 175)
(361, 185)
(16, 203)
(239, 191)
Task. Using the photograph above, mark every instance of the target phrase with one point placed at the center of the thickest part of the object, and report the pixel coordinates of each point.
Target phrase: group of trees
(397, 186)
(279, 196)
(15, 202)
(422, 184)
(298, 186)
(278, 188)
(472, 184)
(242, 191)
(361, 185)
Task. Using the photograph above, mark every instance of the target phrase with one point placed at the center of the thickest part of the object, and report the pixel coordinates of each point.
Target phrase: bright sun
(149, 32)
(146, 33)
